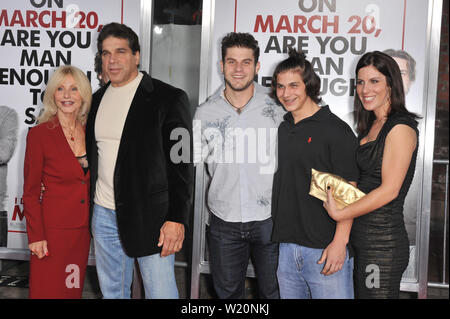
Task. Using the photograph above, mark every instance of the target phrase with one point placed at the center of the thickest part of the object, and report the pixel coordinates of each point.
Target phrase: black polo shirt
(323, 142)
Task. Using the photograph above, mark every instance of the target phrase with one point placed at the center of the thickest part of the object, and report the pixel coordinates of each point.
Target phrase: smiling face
(291, 92)
(373, 90)
(119, 63)
(239, 68)
(67, 96)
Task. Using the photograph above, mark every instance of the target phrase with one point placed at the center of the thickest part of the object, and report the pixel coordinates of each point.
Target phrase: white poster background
(396, 24)
(390, 17)
(14, 25)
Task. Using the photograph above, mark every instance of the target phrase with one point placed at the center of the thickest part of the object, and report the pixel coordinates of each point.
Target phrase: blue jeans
(299, 275)
(115, 268)
(230, 247)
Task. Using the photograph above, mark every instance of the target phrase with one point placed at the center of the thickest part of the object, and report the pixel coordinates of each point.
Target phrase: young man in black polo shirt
(314, 261)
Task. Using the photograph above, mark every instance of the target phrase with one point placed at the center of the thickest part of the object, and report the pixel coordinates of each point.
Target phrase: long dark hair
(389, 68)
(297, 62)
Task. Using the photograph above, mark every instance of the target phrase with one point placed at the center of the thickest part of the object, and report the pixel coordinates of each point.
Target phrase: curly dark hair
(242, 40)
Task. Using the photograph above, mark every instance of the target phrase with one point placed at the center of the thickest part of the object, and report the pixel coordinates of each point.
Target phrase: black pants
(230, 247)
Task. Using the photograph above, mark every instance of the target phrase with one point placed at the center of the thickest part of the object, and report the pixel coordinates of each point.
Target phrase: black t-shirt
(323, 142)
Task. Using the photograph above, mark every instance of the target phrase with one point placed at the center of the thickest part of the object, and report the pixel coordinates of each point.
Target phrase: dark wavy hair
(297, 62)
(240, 40)
(389, 68)
(120, 31)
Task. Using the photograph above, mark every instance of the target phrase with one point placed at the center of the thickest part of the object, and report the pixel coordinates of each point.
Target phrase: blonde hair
(84, 87)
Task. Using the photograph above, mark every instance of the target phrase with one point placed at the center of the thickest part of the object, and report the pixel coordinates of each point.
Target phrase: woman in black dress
(388, 139)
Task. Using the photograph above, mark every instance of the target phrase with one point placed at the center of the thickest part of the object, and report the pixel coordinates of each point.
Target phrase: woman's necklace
(71, 134)
(71, 131)
(237, 109)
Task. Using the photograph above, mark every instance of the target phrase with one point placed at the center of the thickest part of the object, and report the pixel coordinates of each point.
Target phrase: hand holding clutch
(344, 193)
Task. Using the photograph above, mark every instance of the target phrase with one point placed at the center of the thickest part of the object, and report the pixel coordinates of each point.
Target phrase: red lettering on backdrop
(44, 19)
(17, 211)
(259, 23)
(31, 18)
(284, 24)
(297, 24)
(17, 18)
(300, 25)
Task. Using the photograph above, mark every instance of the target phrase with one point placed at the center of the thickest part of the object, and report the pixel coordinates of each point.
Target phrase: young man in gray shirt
(239, 126)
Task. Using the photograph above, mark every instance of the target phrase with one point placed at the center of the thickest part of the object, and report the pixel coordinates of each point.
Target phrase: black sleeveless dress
(379, 237)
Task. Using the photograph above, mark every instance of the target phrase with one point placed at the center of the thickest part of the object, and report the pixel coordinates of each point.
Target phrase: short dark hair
(410, 62)
(241, 40)
(297, 62)
(121, 31)
(390, 69)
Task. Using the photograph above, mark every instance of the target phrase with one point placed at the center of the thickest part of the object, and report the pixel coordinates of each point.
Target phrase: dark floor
(19, 269)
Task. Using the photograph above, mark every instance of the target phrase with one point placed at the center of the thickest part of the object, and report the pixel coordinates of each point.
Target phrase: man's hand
(171, 238)
(334, 258)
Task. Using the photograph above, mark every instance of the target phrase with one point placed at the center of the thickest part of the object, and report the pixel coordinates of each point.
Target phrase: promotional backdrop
(332, 33)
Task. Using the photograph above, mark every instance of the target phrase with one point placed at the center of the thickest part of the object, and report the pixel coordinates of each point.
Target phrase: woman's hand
(39, 249)
(331, 207)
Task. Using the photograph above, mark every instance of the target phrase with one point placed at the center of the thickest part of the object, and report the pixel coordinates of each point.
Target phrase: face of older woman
(372, 89)
(67, 96)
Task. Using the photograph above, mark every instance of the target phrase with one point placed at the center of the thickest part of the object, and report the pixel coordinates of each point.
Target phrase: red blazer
(65, 202)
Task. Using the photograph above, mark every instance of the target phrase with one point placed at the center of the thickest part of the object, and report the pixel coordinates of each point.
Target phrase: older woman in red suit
(58, 221)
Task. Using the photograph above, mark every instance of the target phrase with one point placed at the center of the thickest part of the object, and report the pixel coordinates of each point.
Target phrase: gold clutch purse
(344, 193)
